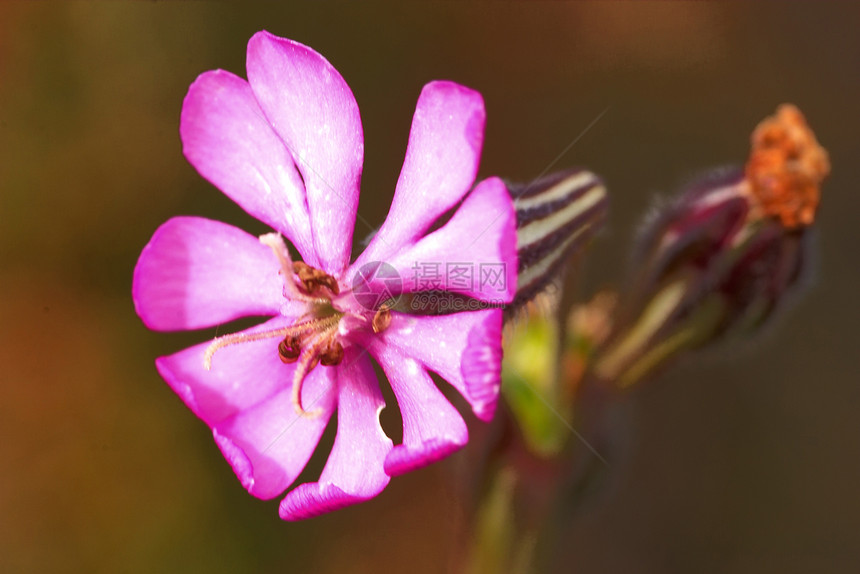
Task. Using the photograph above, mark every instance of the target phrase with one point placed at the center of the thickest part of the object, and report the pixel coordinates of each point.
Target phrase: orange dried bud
(786, 168)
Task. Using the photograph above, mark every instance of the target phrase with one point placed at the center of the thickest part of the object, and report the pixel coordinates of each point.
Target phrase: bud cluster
(725, 255)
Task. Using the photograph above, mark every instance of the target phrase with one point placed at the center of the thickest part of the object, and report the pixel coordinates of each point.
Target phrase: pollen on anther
(313, 278)
(333, 355)
(381, 320)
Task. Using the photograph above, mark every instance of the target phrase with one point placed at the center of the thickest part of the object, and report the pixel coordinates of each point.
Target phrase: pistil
(292, 332)
(276, 243)
(321, 348)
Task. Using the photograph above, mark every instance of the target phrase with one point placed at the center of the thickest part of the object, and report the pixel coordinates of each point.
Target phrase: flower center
(317, 336)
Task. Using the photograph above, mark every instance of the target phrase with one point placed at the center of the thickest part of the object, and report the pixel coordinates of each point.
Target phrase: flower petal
(432, 427)
(475, 252)
(441, 162)
(354, 471)
(241, 376)
(465, 349)
(268, 445)
(314, 112)
(228, 139)
(196, 273)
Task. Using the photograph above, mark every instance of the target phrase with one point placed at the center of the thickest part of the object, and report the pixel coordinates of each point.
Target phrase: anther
(333, 355)
(381, 320)
(289, 349)
(313, 278)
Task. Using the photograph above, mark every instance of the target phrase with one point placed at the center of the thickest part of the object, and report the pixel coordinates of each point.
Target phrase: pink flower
(287, 146)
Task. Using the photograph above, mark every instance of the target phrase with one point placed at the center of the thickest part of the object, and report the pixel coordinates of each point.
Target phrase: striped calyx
(556, 215)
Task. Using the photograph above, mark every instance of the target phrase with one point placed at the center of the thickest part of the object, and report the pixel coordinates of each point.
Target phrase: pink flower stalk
(287, 146)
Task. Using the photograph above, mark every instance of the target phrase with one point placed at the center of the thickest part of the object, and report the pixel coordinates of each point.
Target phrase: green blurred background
(743, 461)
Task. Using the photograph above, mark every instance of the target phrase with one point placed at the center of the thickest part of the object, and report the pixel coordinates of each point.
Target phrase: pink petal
(268, 445)
(441, 162)
(196, 273)
(314, 112)
(481, 366)
(227, 138)
(354, 471)
(241, 376)
(475, 252)
(432, 427)
(465, 349)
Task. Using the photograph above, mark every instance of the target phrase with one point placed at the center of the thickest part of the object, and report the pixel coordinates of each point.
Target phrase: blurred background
(745, 461)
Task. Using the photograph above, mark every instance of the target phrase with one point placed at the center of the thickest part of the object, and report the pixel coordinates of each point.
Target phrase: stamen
(276, 243)
(235, 338)
(333, 355)
(289, 349)
(313, 278)
(382, 319)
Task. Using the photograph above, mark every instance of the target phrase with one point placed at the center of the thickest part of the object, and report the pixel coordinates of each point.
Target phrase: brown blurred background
(745, 461)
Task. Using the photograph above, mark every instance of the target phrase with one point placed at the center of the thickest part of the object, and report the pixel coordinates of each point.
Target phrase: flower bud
(725, 255)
